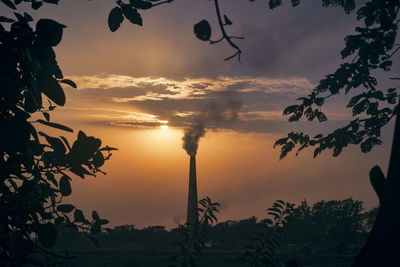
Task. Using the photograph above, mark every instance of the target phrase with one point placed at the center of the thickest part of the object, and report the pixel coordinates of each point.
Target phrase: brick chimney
(192, 217)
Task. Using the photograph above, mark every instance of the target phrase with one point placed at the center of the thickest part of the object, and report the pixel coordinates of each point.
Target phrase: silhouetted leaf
(290, 109)
(46, 116)
(98, 159)
(96, 228)
(66, 142)
(50, 177)
(295, 3)
(132, 15)
(65, 186)
(107, 148)
(49, 31)
(78, 216)
(354, 100)
(9, 4)
(66, 208)
(115, 18)
(202, 30)
(95, 215)
(69, 82)
(36, 5)
(5, 19)
(47, 234)
(281, 141)
(55, 125)
(52, 89)
(274, 3)
(139, 4)
(319, 101)
(227, 20)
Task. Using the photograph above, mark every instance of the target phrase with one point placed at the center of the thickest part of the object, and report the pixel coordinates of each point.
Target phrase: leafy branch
(372, 48)
(194, 236)
(263, 252)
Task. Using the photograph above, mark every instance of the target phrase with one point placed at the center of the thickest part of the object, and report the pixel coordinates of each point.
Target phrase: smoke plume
(213, 115)
(192, 137)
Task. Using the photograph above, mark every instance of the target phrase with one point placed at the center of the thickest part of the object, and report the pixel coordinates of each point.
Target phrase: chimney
(192, 217)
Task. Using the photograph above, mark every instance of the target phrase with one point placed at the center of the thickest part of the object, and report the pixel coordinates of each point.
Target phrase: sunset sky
(137, 79)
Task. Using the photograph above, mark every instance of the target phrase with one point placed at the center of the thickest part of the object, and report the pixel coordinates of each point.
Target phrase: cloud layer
(251, 104)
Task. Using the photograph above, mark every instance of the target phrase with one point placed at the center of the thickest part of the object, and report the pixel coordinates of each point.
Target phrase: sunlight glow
(164, 127)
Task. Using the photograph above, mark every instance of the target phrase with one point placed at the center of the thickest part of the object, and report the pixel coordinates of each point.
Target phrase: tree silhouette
(36, 168)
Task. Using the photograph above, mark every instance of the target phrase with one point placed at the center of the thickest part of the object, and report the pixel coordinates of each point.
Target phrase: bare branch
(225, 35)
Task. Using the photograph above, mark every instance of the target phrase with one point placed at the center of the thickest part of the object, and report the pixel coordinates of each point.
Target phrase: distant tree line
(335, 226)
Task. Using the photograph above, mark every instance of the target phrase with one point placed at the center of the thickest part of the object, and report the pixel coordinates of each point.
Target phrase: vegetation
(36, 168)
(311, 234)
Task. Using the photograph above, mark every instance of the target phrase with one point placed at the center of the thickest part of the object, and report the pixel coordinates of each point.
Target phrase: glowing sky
(134, 80)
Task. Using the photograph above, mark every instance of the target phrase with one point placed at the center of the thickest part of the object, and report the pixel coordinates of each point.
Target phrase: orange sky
(131, 80)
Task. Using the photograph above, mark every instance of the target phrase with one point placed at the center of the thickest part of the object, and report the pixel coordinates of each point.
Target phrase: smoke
(191, 138)
(214, 115)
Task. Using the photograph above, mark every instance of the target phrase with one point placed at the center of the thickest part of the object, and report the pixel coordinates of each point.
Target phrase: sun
(164, 125)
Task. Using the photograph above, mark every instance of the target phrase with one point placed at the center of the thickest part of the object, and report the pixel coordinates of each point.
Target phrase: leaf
(96, 228)
(47, 234)
(65, 186)
(103, 221)
(227, 20)
(115, 19)
(139, 4)
(319, 101)
(354, 100)
(9, 4)
(5, 19)
(132, 15)
(50, 177)
(107, 148)
(202, 30)
(36, 5)
(281, 142)
(52, 89)
(295, 3)
(46, 116)
(274, 3)
(66, 208)
(28, 17)
(317, 151)
(55, 143)
(56, 125)
(78, 216)
(98, 160)
(95, 215)
(49, 32)
(69, 82)
(290, 109)
(66, 142)
(321, 117)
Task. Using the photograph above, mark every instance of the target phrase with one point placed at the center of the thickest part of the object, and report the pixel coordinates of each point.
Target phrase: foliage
(339, 221)
(263, 252)
(36, 168)
(194, 236)
(371, 48)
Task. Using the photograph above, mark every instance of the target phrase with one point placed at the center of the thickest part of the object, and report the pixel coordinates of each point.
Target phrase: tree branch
(225, 35)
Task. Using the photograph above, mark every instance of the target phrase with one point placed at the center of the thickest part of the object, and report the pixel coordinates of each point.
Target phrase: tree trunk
(383, 245)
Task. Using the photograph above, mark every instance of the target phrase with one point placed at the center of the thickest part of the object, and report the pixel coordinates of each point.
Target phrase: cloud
(246, 104)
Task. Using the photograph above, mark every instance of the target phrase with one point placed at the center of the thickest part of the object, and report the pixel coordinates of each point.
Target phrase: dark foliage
(371, 48)
(36, 168)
